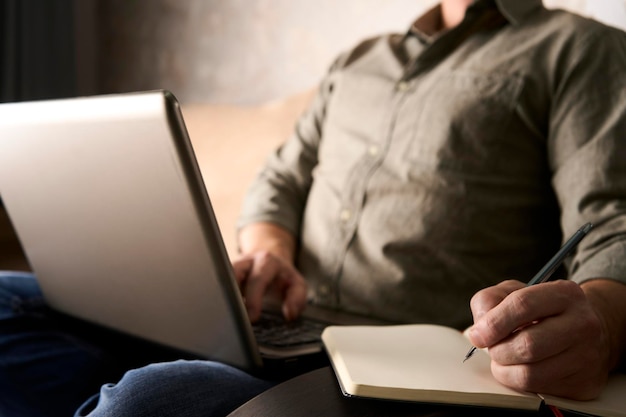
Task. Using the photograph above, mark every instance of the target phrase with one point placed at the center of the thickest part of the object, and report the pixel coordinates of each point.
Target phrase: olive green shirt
(430, 165)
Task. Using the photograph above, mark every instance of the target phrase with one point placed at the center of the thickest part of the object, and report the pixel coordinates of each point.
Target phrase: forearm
(269, 237)
(608, 298)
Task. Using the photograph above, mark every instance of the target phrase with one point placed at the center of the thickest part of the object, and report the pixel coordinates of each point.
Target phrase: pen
(546, 272)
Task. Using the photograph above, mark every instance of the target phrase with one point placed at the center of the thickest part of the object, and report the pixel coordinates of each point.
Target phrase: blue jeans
(180, 388)
(54, 365)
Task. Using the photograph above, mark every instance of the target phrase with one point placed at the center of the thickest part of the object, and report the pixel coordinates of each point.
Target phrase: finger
(241, 268)
(486, 299)
(523, 307)
(295, 296)
(578, 327)
(533, 343)
(290, 287)
(567, 374)
(264, 269)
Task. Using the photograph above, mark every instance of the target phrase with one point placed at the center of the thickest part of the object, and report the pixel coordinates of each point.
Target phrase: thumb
(487, 298)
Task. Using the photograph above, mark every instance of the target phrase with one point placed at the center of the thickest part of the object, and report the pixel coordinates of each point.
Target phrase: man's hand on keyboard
(262, 273)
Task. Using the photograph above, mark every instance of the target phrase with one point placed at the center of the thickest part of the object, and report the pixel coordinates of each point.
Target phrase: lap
(180, 388)
(52, 365)
(47, 365)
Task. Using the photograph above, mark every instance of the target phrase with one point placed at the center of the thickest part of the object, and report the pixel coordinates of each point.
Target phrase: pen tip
(469, 354)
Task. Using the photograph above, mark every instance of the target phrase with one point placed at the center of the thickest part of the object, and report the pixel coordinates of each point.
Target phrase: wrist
(267, 237)
(607, 298)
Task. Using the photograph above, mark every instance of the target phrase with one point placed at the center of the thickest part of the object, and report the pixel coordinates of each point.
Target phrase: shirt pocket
(462, 121)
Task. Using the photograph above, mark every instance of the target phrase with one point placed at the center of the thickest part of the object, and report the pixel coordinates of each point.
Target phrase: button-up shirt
(434, 164)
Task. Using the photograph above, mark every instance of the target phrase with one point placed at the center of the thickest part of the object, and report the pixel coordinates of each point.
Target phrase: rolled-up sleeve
(587, 151)
(279, 192)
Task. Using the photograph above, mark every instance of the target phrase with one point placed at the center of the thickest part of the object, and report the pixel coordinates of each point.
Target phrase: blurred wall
(235, 51)
(251, 51)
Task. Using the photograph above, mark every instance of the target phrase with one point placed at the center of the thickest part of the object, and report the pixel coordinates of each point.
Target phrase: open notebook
(424, 363)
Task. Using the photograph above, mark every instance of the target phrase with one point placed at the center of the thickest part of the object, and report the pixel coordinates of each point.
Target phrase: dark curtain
(37, 49)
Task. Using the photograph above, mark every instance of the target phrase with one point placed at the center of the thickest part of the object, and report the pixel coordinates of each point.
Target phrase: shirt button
(345, 215)
(373, 150)
(402, 86)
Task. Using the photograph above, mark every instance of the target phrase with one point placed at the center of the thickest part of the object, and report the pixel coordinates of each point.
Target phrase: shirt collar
(425, 27)
(516, 10)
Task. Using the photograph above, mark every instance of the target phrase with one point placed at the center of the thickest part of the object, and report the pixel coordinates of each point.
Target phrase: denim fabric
(44, 370)
(180, 388)
(52, 365)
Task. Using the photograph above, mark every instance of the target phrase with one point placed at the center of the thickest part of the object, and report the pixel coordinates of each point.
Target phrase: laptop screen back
(109, 205)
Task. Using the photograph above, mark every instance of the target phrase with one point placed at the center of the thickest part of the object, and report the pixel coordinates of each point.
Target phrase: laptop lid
(109, 204)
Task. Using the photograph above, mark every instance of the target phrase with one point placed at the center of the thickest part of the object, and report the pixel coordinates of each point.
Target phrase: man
(431, 166)
(441, 164)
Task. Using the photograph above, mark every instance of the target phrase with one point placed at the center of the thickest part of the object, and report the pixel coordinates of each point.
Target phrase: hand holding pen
(548, 338)
(546, 272)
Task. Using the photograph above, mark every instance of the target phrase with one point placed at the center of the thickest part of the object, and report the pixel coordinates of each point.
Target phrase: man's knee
(178, 388)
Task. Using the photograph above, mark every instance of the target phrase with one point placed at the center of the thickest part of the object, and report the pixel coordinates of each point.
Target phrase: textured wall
(611, 12)
(235, 51)
(251, 51)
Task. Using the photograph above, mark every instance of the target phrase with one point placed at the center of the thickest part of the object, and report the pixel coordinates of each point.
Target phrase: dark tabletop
(317, 394)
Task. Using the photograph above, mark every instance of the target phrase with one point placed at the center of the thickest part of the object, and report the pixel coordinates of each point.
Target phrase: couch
(230, 142)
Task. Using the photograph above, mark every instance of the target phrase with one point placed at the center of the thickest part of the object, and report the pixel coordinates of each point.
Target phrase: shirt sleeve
(279, 192)
(587, 152)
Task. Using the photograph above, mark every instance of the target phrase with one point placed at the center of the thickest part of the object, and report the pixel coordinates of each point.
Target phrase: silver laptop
(109, 205)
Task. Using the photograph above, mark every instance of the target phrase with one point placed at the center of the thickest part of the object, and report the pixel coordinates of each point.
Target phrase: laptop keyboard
(273, 330)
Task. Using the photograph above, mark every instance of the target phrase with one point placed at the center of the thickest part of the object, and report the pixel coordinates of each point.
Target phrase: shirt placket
(353, 198)
(423, 57)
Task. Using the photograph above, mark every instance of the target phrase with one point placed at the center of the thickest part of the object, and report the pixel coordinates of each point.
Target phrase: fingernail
(475, 337)
(287, 314)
